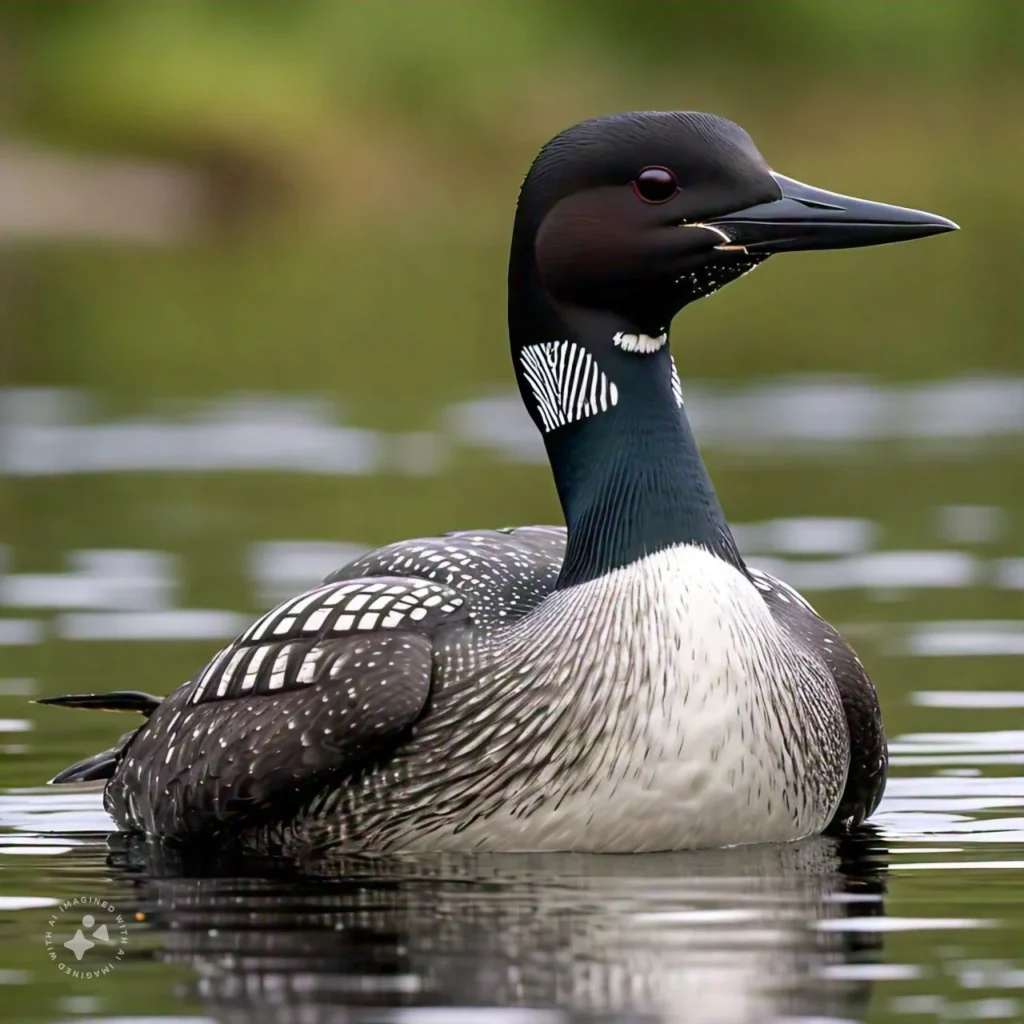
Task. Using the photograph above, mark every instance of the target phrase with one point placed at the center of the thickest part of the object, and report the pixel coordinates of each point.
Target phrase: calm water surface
(137, 543)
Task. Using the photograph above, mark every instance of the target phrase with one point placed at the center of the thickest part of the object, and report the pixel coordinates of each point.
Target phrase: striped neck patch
(677, 386)
(566, 382)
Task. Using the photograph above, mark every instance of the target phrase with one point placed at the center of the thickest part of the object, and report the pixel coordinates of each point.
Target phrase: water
(138, 541)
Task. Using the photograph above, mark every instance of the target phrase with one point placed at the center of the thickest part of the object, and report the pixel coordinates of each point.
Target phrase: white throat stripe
(642, 343)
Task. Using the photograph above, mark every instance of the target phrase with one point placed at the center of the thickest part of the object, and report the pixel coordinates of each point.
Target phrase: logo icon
(86, 937)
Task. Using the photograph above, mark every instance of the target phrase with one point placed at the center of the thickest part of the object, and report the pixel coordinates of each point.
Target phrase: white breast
(689, 718)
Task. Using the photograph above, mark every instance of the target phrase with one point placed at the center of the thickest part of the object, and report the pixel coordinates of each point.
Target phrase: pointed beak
(811, 218)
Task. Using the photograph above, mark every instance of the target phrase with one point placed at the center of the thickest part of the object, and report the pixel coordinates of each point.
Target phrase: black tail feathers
(102, 765)
(119, 700)
(99, 766)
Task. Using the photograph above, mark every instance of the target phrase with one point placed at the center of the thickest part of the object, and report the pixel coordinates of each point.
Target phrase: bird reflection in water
(749, 934)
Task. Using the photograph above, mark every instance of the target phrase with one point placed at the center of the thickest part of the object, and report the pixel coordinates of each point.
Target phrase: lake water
(138, 540)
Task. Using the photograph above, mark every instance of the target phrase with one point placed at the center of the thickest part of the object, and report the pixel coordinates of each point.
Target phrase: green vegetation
(352, 146)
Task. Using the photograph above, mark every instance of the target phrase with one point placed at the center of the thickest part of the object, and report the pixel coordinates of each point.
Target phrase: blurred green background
(356, 165)
(205, 200)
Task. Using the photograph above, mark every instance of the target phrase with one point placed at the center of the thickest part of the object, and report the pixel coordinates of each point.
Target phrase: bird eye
(655, 185)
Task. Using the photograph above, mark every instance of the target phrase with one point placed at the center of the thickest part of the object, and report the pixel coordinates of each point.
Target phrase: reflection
(748, 934)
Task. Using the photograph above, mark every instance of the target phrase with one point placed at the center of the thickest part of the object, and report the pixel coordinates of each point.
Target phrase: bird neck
(626, 465)
(632, 482)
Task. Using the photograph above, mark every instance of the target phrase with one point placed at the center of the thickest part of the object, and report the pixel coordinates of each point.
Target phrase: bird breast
(660, 704)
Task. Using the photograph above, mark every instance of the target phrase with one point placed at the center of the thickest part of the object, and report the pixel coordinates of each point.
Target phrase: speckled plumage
(531, 724)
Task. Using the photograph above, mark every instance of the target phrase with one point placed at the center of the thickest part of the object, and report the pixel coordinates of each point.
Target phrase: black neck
(631, 480)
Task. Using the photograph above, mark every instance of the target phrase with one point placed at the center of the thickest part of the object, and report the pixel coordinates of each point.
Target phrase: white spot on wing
(225, 679)
(253, 667)
(304, 602)
(279, 668)
(316, 620)
(308, 668)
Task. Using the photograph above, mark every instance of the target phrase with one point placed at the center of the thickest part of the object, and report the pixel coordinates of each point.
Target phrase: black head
(638, 214)
(612, 205)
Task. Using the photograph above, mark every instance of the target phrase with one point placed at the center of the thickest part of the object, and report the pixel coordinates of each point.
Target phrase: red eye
(655, 185)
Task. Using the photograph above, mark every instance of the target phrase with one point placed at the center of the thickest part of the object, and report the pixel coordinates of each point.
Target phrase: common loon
(628, 684)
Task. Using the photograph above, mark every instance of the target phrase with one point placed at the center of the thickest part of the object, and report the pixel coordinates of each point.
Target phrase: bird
(625, 684)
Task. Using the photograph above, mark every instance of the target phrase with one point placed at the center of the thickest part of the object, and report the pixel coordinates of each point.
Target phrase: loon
(627, 684)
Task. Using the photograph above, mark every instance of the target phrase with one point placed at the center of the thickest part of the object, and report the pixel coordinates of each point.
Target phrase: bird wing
(352, 658)
(312, 689)
(869, 753)
(503, 573)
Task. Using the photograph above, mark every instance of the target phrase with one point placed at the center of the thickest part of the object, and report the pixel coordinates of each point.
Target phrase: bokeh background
(252, 289)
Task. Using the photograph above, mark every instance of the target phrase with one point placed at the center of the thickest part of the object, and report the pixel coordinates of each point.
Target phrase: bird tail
(119, 700)
(102, 765)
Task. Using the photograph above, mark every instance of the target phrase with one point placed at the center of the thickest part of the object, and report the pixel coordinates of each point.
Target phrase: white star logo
(79, 945)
